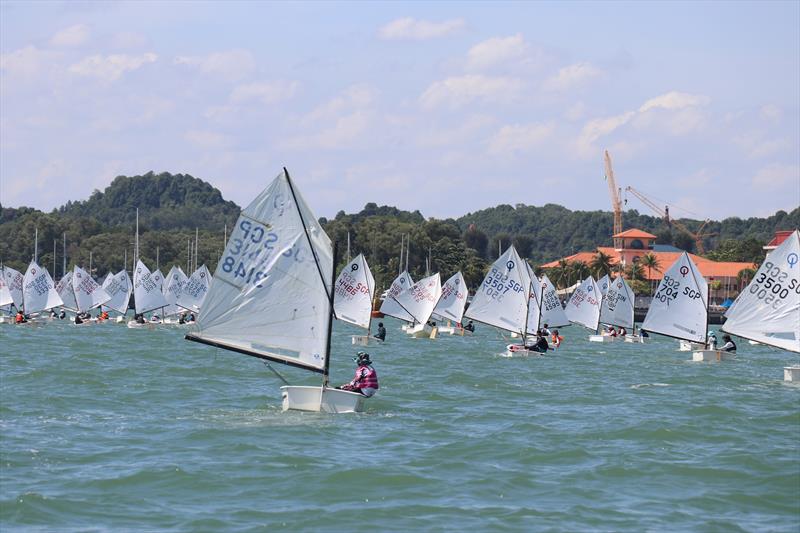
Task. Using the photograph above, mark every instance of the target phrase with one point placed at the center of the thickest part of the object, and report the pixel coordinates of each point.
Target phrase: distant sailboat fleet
(274, 296)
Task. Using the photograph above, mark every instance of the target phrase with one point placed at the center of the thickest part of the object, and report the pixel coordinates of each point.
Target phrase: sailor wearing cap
(366, 379)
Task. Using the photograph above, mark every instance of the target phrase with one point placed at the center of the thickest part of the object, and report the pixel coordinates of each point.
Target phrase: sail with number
(66, 292)
(147, 289)
(416, 302)
(88, 293)
(172, 288)
(454, 298)
(401, 283)
(618, 300)
(552, 313)
(679, 307)
(118, 286)
(584, 306)
(352, 299)
(502, 298)
(195, 290)
(271, 296)
(768, 310)
(14, 280)
(38, 291)
(5, 295)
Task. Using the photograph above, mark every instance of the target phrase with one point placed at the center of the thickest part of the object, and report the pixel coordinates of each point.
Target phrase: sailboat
(552, 313)
(38, 291)
(119, 288)
(88, 293)
(146, 292)
(400, 283)
(768, 310)
(415, 306)
(451, 305)
(679, 308)
(616, 308)
(14, 280)
(5, 298)
(172, 288)
(352, 298)
(502, 300)
(584, 306)
(67, 293)
(272, 296)
(195, 290)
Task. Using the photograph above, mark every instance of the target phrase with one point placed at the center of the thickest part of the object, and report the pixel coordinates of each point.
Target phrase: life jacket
(20, 318)
(556, 339)
(366, 377)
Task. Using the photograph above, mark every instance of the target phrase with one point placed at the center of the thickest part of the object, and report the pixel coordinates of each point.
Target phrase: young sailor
(712, 340)
(470, 326)
(366, 379)
(729, 345)
(556, 338)
(20, 318)
(381, 332)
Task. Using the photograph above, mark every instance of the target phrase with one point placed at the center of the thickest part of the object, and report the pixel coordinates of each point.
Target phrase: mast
(125, 260)
(196, 242)
(36, 246)
(400, 266)
(326, 369)
(225, 237)
(708, 298)
(64, 264)
(408, 250)
(348, 247)
(54, 258)
(189, 255)
(136, 250)
(90, 263)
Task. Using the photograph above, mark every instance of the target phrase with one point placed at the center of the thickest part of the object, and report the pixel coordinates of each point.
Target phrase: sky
(445, 107)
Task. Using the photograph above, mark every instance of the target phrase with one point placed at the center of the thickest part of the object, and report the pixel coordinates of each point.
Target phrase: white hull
(365, 340)
(634, 338)
(754, 343)
(136, 325)
(6, 319)
(317, 399)
(119, 319)
(518, 350)
(711, 356)
(791, 373)
(686, 346)
(601, 338)
(422, 331)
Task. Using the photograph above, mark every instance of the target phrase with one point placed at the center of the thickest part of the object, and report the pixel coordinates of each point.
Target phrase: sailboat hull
(791, 373)
(365, 340)
(420, 331)
(711, 356)
(687, 346)
(634, 338)
(317, 399)
(601, 338)
(518, 350)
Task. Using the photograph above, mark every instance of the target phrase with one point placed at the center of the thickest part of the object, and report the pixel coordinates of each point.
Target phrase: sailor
(611, 332)
(470, 326)
(540, 345)
(63, 314)
(622, 331)
(103, 315)
(729, 345)
(20, 318)
(79, 318)
(366, 379)
(556, 339)
(545, 330)
(191, 318)
(381, 332)
(139, 318)
(155, 318)
(712, 340)
(182, 318)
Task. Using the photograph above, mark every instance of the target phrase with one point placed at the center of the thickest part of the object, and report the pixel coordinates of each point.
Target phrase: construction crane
(664, 214)
(616, 205)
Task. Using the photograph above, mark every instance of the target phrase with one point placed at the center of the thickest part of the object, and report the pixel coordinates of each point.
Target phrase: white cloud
(129, 39)
(418, 30)
(112, 67)
(599, 127)
(267, 92)
(355, 97)
(344, 133)
(207, 139)
(73, 36)
(231, 65)
(572, 76)
(777, 175)
(674, 100)
(26, 62)
(576, 111)
(457, 91)
(519, 137)
(755, 145)
(495, 51)
(438, 137)
(771, 113)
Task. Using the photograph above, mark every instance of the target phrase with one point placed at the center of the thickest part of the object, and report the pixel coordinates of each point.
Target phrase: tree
(579, 270)
(601, 264)
(650, 262)
(634, 271)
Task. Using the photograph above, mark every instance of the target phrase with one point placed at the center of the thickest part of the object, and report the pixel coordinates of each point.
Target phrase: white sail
(552, 313)
(88, 293)
(584, 306)
(352, 299)
(14, 280)
(118, 286)
(195, 290)
(270, 295)
(679, 307)
(5, 294)
(417, 301)
(454, 298)
(768, 310)
(502, 298)
(66, 292)
(617, 308)
(534, 303)
(389, 306)
(172, 288)
(38, 291)
(147, 289)
(603, 284)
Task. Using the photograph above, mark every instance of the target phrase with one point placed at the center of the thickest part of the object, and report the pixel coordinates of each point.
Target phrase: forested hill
(172, 206)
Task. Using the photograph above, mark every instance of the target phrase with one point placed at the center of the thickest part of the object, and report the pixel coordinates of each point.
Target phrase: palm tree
(561, 272)
(601, 264)
(580, 270)
(635, 271)
(744, 276)
(650, 261)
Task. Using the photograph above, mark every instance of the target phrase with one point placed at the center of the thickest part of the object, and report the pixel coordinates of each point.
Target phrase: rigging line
(674, 206)
(276, 373)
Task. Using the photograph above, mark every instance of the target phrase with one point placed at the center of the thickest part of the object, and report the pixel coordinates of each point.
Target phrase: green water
(105, 428)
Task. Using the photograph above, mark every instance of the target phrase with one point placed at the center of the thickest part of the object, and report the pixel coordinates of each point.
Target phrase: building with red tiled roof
(778, 239)
(636, 243)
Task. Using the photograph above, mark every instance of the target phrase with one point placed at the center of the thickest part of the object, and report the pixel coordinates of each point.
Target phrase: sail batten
(768, 309)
